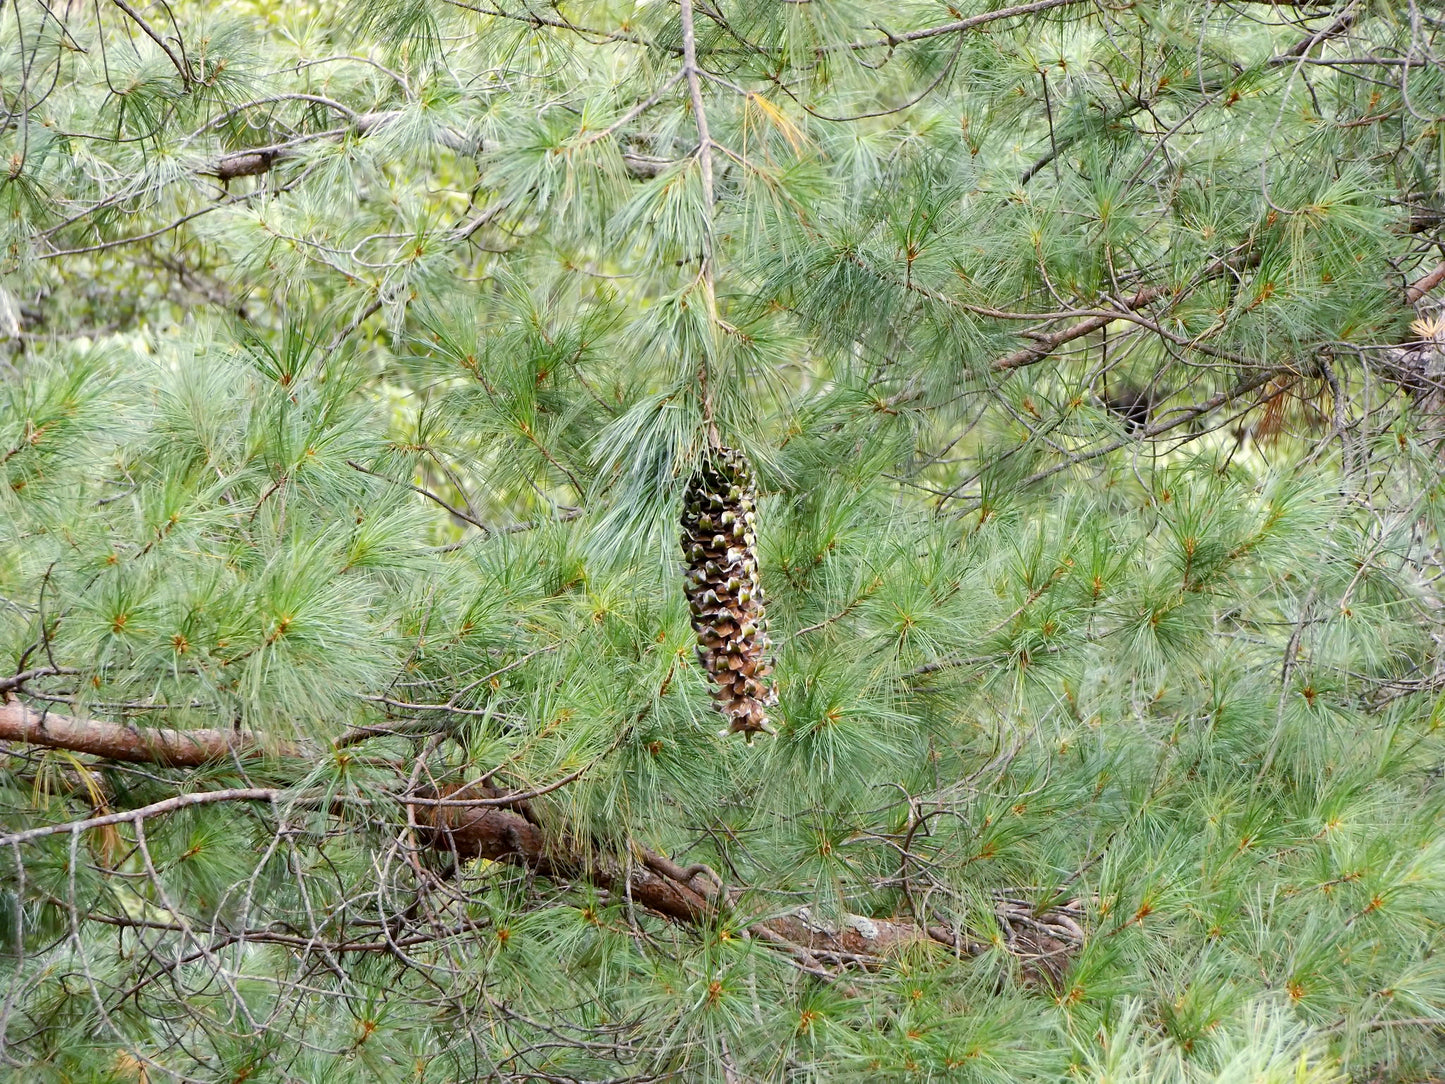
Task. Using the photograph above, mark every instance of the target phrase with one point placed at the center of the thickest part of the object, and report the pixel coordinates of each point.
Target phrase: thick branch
(656, 883)
(115, 741)
(652, 881)
(1424, 284)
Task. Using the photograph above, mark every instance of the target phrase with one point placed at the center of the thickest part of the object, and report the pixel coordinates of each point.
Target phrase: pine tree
(1077, 364)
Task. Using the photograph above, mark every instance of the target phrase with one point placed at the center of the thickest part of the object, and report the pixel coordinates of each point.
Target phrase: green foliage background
(353, 365)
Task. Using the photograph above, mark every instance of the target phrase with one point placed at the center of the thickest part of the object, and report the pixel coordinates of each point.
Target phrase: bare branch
(180, 65)
(457, 512)
(1424, 284)
(180, 801)
(115, 741)
(470, 830)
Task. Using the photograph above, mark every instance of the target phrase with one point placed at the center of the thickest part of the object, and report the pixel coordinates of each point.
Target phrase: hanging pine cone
(721, 579)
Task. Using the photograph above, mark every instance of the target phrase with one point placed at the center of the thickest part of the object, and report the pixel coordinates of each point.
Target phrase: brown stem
(169, 805)
(658, 884)
(116, 741)
(693, 74)
(258, 160)
(472, 831)
(1045, 345)
(1424, 284)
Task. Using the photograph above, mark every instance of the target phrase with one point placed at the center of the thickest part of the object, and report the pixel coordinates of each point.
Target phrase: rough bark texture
(115, 741)
(690, 896)
(1417, 290)
(481, 826)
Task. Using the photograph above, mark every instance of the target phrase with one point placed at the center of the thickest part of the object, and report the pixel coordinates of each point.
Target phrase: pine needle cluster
(359, 364)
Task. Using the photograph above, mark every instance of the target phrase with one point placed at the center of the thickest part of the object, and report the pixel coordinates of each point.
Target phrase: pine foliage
(1065, 376)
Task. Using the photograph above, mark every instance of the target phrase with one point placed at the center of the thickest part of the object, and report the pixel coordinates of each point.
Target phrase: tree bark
(115, 741)
(688, 896)
(654, 882)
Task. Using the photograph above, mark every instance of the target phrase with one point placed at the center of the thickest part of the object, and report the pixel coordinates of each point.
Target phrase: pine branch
(469, 829)
(687, 896)
(958, 26)
(1341, 24)
(1424, 284)
(693, 74)
(1044, 344)
(178, 61)
(451, 509)
(115, 741)
(15, 681)
(259, 160)
(537, 21)
(168, 805)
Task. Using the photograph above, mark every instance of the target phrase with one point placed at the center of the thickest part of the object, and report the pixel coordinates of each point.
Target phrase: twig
(180, 801)
(186, 75)
(425, 493)
(14, 681)
(503, 800)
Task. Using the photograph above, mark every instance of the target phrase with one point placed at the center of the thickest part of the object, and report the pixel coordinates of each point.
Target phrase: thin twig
(169, 805)
(425, 493)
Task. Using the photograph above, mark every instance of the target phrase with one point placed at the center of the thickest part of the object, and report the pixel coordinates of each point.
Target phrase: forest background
(362, 361)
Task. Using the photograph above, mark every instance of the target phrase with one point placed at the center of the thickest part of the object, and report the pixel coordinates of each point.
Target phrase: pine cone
(721, 579)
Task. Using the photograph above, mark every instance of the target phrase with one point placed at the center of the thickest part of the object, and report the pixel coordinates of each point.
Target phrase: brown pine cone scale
(720, 577)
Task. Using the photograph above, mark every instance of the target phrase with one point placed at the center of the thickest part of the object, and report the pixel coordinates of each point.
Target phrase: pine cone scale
(721, 581)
